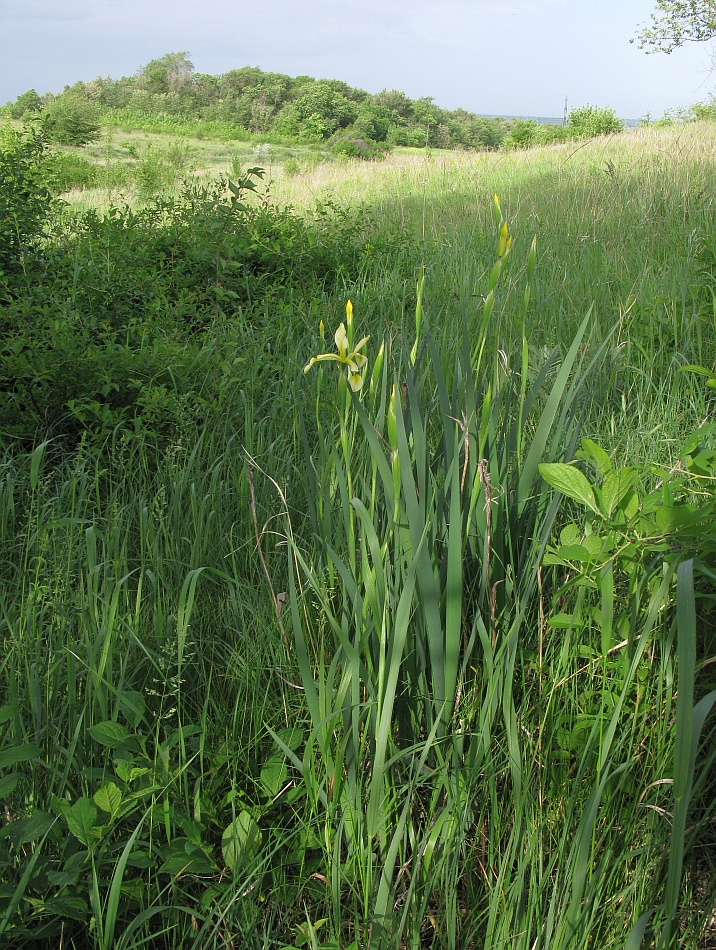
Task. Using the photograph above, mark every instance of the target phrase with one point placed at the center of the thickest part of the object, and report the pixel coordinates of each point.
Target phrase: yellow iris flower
(354, 361)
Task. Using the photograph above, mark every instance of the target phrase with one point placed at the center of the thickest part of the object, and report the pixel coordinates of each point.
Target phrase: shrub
(705, 111)
(135, 338)
(72, 171)
(291, 167)
(406, 136)
(523, 134)
(161, 169)
(589, 121)
(73, 120)
(358, 148)
(25, 200)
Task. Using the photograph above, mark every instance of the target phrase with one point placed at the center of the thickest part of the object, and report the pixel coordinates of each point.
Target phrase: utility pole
(564, 123)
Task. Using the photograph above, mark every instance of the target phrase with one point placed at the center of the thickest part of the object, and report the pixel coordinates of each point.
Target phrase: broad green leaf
(60, 806)
(82, 821)
(6, 712)
(696, 438)
(570, 481)
(570, 534)
(240, 841)
(25, 830)
(109, 733)
(565, 621)
(616, 487)
(575, 552)
(292, 737)
(8, 784)
(128, 771)
(273, 776)
(74, 908)
(671, 518)
(631, 504)
(19, 753)
(596, 454)
(131, 705)
(183, 856)
(108, 798)
(593, 544)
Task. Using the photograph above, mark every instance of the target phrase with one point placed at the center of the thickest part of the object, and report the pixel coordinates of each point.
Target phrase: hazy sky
(510, 57)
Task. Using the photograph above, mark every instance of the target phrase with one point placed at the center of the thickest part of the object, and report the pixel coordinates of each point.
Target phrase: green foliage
(73, 119)
(523, 134)
(170, 74)
(705, 111)
(70, 170)
(167, 95)
(25, 201)
(591, 121)
(158, 170)
(676, 22)
(133, 341)
(358, 148)
(167, 781)
(425, 501)
(26, 103)
(528, 133)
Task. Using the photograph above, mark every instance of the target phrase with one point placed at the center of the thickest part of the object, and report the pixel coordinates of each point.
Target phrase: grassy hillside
(404, 652)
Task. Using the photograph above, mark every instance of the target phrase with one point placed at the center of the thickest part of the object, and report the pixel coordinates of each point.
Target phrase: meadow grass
(445, 738)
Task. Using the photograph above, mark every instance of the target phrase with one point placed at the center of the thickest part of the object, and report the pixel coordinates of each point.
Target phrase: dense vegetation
(167, 95)
(317, 641)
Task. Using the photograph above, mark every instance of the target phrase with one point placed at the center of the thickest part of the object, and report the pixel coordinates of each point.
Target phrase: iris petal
(356, 381)
(342, 341)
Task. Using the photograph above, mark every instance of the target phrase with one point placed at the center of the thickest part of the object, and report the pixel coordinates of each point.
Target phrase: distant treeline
(168, 95)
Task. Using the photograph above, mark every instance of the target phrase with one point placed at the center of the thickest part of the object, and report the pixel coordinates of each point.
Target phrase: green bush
(72, 171)
(523, 134)
(291, 167)
(705, 111)
(589, 121)
(25, 199)
(73, 120)
(135, 337)
(161, 169)
(406, 136)
(358, 148)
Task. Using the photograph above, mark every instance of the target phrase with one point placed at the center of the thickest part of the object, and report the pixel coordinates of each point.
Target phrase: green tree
(27, 102)
(395, 101)
(317, 113)
(676, 22)
(171, 73)
(372, 122)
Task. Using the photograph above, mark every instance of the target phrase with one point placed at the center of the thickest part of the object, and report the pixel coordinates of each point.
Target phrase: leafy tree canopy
(168, 74)
(676, 22)
(26, 102)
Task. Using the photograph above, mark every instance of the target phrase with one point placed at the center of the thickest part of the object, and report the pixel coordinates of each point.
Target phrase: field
(409, 646)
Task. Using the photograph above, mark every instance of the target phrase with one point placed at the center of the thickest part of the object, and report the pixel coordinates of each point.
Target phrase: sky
(492, 57)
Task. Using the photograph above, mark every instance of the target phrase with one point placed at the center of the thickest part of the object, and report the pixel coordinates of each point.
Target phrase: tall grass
(458, 745)
(483, 716)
